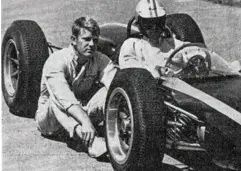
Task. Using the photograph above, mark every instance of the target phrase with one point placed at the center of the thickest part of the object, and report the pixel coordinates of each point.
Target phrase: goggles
(154, 23)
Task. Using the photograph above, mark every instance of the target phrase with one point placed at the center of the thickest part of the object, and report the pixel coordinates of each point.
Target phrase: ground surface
(23, 147)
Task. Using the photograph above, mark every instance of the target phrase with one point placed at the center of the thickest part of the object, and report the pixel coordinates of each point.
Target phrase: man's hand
(86, 132)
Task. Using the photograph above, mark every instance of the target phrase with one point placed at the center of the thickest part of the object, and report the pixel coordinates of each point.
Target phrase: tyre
(135, 121)
(24, 51)
(185, 28)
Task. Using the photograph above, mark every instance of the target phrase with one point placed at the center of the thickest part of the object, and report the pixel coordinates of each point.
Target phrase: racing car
(194, 104)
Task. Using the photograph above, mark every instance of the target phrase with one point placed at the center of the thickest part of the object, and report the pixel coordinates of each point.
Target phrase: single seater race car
(193, 105)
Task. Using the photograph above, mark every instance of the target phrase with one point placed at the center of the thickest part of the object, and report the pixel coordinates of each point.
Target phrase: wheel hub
(11, 67)
(119, 124)
(125, 128)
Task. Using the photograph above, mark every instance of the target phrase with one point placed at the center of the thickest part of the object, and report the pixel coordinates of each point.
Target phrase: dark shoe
(76, 145)
(104, 158)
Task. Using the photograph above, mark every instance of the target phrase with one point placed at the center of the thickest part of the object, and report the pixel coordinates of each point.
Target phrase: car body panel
(215, 112)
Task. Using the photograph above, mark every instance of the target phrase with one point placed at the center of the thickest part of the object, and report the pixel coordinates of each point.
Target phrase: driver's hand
(86, 133)
(180, 60)
(164, 71)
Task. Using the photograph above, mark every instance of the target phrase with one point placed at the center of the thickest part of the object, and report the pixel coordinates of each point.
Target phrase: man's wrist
(72, 105)
(75, 127)
(69, 107)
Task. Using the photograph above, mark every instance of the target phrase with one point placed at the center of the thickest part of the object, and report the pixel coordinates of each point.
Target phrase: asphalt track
(23, 149)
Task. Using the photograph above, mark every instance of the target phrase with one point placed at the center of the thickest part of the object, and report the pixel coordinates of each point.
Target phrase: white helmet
(149, 14)
(150, 9)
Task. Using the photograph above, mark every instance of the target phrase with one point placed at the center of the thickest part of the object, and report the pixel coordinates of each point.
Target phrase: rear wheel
(185, 28)
(24, 51)
(135, 121)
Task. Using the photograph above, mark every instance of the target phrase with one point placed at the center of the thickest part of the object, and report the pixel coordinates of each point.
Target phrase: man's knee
(95, 107)
(98, 100)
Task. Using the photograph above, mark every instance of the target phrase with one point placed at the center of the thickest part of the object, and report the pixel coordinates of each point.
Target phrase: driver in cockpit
(156, 42)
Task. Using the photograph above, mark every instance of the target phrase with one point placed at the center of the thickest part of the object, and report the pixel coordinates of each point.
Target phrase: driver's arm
(129, 57)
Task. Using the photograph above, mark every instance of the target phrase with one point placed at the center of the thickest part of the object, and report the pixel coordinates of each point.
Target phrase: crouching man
(67, 76)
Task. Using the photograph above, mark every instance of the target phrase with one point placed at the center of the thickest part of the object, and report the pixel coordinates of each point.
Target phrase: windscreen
(195, 61)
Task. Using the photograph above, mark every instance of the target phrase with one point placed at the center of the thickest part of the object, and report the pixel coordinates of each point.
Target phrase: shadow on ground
(198, 161)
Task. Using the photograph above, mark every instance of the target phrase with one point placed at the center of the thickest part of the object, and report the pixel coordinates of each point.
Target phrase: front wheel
(135, 121)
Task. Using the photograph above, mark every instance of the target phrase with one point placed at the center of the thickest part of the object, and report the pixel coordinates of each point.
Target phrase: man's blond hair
(86, 23)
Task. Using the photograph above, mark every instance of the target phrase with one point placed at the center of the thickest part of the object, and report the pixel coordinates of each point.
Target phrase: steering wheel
(188, 64)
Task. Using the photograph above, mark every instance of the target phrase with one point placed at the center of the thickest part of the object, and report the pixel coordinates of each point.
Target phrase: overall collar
(76, 57)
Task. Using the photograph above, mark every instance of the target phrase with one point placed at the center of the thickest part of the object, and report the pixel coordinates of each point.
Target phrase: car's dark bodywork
(215, 101)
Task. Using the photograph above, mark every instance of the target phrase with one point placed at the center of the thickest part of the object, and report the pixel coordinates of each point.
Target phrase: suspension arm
(51, 47)
(184, 112)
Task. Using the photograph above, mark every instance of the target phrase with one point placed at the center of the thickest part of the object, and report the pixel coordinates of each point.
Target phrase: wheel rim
(11, 68)
(120, 126)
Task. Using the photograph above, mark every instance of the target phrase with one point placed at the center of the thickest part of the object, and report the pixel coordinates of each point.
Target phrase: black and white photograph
(121, 85)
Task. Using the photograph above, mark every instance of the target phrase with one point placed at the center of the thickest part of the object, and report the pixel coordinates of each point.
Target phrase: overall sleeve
(131, 57)
(55, 71)
(128, 57)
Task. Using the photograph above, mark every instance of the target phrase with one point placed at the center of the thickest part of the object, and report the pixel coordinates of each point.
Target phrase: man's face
(154, 28)
(153, 32)
(86, 43)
